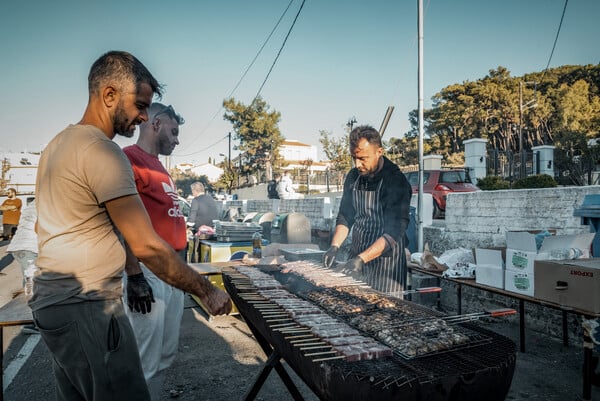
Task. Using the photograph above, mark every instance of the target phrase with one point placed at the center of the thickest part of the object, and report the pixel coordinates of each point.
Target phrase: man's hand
(216, 301)
(139, 293)
(330, 255)
(353, 266)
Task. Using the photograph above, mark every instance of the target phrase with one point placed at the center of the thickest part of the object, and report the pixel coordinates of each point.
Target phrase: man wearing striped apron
(375, 206)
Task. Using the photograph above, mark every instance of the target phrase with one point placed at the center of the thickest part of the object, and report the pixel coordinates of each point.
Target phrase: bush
(492, 182)
(535, 181)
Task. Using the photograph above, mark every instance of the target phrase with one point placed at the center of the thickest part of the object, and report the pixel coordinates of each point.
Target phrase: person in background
(272, 187)
(285, 188)
(85, 193)
(202, 213)
(375, 205)
(11, 213)
(204, 208)
(24, 247)
(156, 328)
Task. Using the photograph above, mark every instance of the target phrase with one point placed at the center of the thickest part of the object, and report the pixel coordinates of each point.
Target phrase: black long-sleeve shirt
(395, 197)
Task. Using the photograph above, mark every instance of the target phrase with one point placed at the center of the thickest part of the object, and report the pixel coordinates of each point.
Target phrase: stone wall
(481, 219)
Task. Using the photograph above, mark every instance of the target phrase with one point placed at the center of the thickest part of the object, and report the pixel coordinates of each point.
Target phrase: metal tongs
(468, 317)
(421, 290)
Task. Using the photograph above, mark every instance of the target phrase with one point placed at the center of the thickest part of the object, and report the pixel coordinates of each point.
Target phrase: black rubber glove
(329, 256)
(353, 266)
(139, 293)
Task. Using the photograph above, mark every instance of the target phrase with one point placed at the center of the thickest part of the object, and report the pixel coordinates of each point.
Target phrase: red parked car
(439, 183)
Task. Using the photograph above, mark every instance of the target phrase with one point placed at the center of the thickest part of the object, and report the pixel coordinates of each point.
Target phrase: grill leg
(272, 362)
(260, 380)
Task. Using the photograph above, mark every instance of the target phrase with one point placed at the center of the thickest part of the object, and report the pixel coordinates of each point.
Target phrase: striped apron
(387, 273)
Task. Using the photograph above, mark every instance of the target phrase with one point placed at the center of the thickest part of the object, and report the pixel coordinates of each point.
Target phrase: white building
(211, 172)
(297, 154)
(19, 171)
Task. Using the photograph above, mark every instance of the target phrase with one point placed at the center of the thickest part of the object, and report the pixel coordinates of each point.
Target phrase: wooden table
(15, 313)
(587, 342)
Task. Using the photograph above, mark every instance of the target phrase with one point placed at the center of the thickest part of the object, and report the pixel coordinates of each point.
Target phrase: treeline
(559, 107)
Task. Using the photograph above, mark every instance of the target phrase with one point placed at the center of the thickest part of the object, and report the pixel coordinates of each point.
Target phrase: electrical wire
(278, 54)
(203, 130)
(204, 149)
(555, 39)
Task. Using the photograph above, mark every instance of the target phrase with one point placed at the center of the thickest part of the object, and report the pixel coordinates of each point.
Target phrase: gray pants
(95, 356)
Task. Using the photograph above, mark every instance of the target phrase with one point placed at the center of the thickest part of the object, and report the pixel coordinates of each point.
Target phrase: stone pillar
(543, 159)
(475, 158)
(432, 162)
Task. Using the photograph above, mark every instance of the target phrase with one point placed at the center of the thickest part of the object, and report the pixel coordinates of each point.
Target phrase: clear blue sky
(342, 59)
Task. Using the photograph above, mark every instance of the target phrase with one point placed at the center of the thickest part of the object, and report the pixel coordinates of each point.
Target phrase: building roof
(293, 142)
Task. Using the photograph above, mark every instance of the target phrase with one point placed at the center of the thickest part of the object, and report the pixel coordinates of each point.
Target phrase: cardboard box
(519, 281)
(489, 268)
(522, 252)
(572, 283)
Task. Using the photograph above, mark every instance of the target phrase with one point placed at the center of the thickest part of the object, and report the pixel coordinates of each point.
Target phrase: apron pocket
(65, 345)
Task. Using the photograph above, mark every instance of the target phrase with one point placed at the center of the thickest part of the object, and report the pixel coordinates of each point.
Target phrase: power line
(240, 80)
(206, 148)
(555, 39)
(278, 54)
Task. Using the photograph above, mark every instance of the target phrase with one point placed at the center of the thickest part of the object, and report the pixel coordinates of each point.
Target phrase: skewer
(331, 358)
(300, 336)
(316, 347)
(279, 320)
(275, 326)
(310, 344)
(321, 353)
(313, 338)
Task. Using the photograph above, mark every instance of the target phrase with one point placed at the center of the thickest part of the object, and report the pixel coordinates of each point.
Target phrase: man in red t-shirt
(156, 327)
(11, 213)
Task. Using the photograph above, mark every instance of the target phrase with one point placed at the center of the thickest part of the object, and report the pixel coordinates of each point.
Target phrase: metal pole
(229, 157)
(522, 166)
(420, 90)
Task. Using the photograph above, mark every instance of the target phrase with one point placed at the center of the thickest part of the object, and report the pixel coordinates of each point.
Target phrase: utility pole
(350, 123)
(229, 157)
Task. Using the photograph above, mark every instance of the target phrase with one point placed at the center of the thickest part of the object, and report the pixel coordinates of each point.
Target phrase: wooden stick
(321, 353)
(331, 358)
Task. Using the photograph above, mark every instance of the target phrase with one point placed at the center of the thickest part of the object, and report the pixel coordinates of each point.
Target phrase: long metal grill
(458, 372)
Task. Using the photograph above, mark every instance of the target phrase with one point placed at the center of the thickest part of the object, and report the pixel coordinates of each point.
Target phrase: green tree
(337, 151)
(256, 127)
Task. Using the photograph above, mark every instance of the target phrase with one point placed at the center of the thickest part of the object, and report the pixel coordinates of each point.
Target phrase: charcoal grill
(480, 369)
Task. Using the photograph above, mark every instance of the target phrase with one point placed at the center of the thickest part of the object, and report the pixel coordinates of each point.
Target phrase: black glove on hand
(329, 256)
(353, 266)
(139, 293)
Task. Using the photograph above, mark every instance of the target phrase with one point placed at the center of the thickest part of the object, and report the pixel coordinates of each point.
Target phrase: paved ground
(219, 360)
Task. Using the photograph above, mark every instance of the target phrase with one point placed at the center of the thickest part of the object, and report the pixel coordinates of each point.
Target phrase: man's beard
(121, 124)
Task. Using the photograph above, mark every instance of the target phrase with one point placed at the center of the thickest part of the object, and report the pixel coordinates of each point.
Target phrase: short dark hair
(120, 68)
(367, 132)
